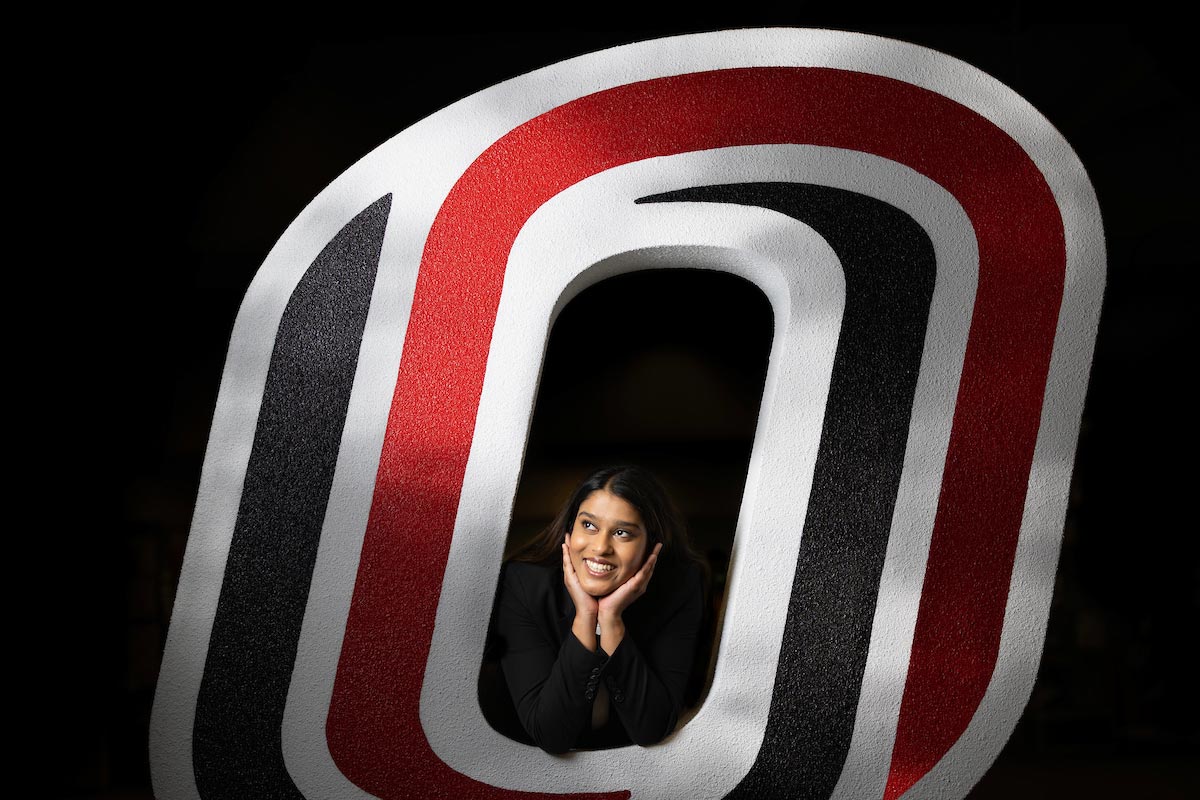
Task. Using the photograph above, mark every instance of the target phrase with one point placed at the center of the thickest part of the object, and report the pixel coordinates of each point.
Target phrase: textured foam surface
(933, 255)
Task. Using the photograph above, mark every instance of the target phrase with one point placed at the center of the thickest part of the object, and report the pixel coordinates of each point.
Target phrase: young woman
(597, 620)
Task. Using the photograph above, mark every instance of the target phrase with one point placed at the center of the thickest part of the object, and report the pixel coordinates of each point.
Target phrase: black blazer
(552, 679)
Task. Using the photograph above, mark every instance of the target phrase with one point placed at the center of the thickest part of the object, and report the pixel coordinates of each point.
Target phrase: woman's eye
(589, 525)
(623, 534)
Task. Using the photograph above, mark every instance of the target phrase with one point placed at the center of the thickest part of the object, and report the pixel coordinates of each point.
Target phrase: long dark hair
(636, 486)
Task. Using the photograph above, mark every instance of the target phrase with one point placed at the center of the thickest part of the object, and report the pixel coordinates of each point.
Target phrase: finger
(568, 567)
(644, 574)
(653, 559)
(642, 577)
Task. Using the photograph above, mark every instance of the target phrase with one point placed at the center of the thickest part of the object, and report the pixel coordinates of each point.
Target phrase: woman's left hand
(612, 606)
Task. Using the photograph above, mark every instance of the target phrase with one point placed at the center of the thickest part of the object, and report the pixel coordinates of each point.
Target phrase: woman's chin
(600, 589)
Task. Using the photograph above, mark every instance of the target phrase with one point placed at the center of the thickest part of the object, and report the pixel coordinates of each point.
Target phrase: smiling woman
(605, 548)
(598, 618)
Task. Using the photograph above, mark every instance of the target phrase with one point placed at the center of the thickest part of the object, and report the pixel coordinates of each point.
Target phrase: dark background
(190, 151)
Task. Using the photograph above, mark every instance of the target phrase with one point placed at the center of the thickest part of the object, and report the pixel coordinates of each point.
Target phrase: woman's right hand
(587, 609)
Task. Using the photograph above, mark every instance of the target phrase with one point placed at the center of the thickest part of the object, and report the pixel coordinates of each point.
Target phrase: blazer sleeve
(647, 680)
(552, 686)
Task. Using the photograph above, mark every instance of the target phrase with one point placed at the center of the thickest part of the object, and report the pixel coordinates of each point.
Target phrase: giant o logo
(933, 254)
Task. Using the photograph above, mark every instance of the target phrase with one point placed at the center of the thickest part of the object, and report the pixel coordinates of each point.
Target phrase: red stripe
(374, 729)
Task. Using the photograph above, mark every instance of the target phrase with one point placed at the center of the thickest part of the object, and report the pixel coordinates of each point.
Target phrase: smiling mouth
(598, 568)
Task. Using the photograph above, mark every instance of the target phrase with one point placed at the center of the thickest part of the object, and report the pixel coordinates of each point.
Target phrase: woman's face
(607, 542)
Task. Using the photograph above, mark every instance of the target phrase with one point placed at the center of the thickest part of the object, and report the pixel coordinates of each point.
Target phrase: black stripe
(889, 268)
(239, 712)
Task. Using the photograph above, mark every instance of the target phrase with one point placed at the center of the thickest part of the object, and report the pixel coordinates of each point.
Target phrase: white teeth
(596, 566)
